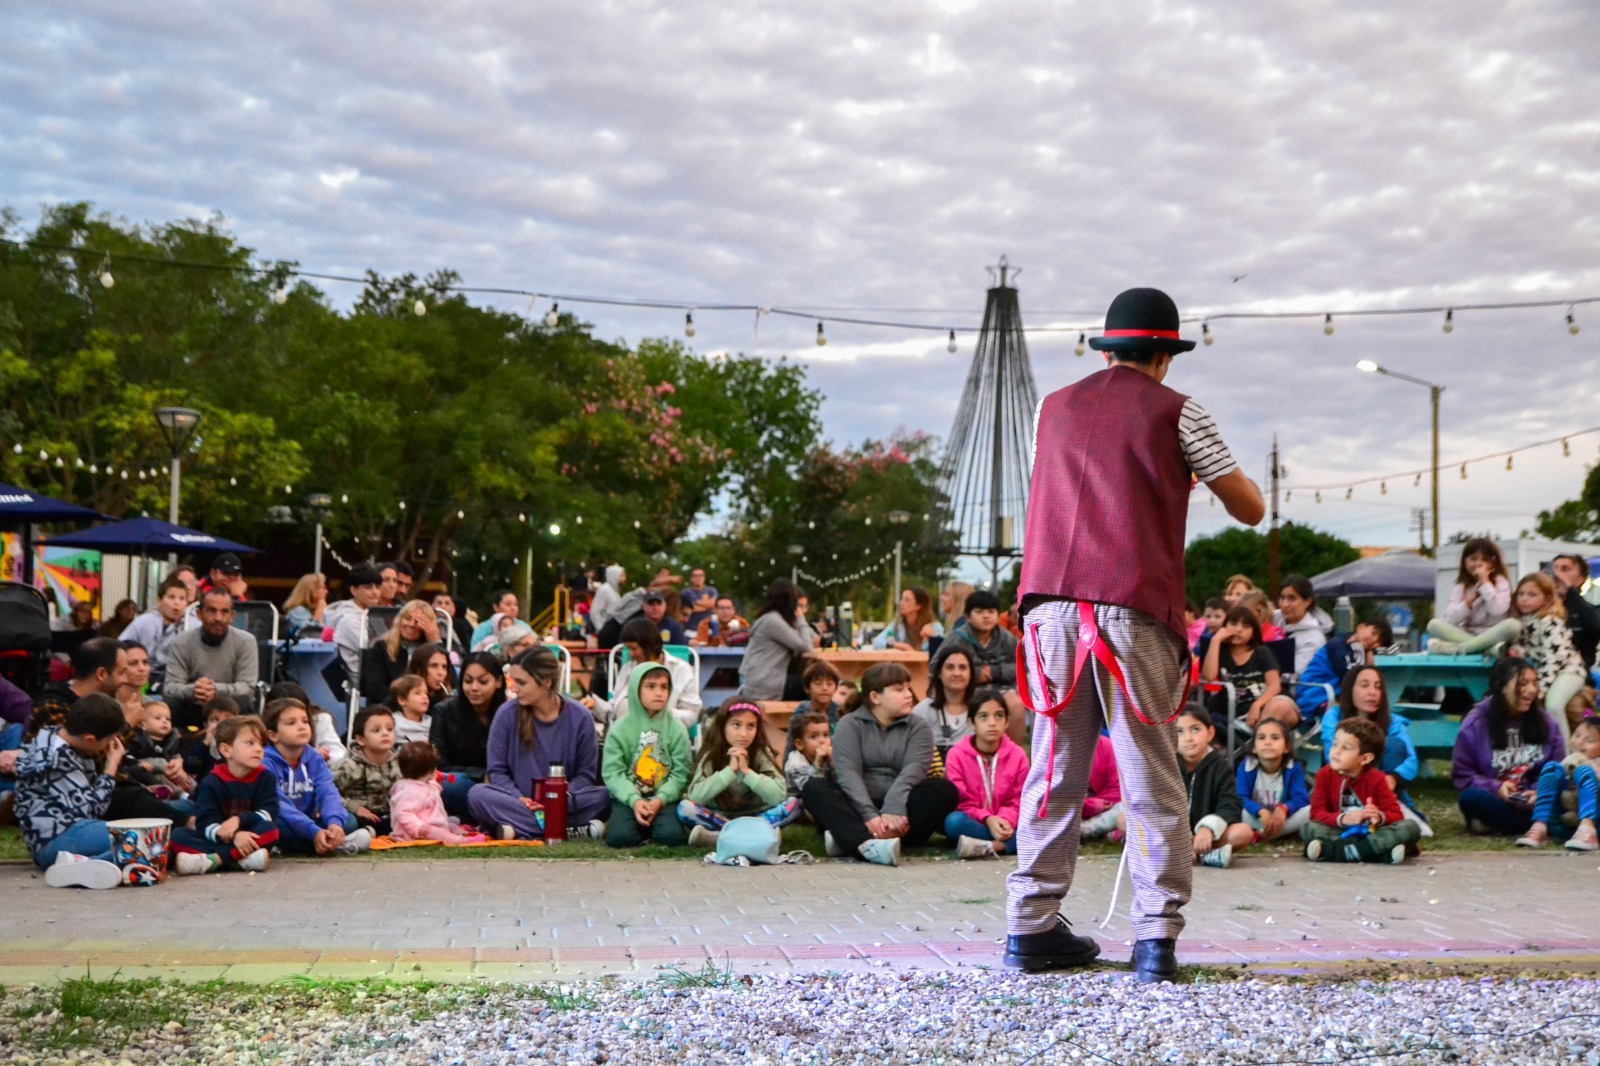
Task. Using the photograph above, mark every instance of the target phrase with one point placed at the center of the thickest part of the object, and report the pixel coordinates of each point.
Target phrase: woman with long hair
(947, 710)
(778, 638)
(306, 603)
(386, 658)
(459, 731)
(431, 663)
(914, 626)
(953, 605)
(1500, 750)
(538, 728)
(121, 617)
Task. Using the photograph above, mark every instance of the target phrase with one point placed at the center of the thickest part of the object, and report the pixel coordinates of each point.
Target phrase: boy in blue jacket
(1334, 660)
(235, 806)
(311, 816)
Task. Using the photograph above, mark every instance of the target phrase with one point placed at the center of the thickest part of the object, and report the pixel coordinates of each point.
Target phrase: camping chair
(260, 619)
(447, 631)
(24, 636)
(564, 657)
(619, 658)
(380, 620)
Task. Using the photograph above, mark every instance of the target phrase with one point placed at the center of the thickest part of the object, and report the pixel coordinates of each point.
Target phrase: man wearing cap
(226, 575)
(655, 609)
(1101, 599)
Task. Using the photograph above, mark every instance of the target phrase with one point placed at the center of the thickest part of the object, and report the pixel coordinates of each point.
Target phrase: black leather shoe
(1155, 960)
(1057, 948)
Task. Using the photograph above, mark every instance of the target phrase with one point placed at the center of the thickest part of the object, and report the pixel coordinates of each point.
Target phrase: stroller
(24, 636)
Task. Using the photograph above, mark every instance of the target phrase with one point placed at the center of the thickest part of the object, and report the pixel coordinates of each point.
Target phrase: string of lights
(282, 273)
(815, 582)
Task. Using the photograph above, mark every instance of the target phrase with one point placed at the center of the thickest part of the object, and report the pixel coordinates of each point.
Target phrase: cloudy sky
(845, 155)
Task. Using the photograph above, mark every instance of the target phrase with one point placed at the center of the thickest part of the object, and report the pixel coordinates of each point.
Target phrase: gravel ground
(990, 1017)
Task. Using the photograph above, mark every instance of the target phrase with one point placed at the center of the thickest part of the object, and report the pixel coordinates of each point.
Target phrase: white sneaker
(1443, 647)
(191, 864)
(1100, 824)
(1585, 839)
(1314, 850)
(257, 861)
(701, 837)
(881, 852)
(594, 829)
(973, 848)
(80, 871)
(834, 850)
(355, 843)
(1397, 854)
(1218, 857)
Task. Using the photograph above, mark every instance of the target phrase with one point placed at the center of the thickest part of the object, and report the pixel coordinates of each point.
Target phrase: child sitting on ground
(1102, 803)
(416, 803)
(311, 817)
(646, 763)
(62, 794)
(1574, 782)
(412, 722)
(988, 769)
(153, 760)
(235, 806)
(324, 731)
(811, 750)
(1215, 813)
(202, 756)
(736, 776)
(1272, 785)
(1355, 816)
(821, 682)
(369, 771)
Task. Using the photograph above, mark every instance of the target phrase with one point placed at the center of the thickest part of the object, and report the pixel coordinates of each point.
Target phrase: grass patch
(557, 997)
(12, 849)
(709, 975)
(93, 1012)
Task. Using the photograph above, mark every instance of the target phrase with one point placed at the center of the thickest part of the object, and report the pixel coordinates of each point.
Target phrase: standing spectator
(120, 619)
(778, 637)
(1583, 618)
(1297, 614)
(721, 626)
(215, 659)
(993, 650)
(1478, 615)
(386, 658)
(699, 597)
(307, 605)
(459, 626)
(404, 576)
(504, 605)
(348, 619)
(607, 596)
(1502, 746)
(655, 611)
(914, 626)
(157, 628)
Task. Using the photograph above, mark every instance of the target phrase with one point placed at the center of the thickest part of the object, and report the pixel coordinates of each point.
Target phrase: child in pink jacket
(416, 804)
(988, 770)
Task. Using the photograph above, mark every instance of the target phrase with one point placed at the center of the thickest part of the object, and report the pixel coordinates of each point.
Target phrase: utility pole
(1419, 521)
(1273, 562)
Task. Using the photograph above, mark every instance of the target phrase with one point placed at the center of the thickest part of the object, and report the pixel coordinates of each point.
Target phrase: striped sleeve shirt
(1203, 447)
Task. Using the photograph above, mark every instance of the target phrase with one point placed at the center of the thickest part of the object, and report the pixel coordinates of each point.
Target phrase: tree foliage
(467, 439)
(1577, 519)
(1209, 561)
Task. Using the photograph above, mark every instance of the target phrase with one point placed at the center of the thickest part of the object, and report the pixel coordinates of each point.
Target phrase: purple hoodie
(1476, 764)
(15, 704)
(568, 741)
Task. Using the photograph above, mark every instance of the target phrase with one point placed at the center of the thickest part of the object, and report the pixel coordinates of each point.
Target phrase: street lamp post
(796, 551)
(1370, 367)
(897, 518)
(177, 425)
(318, 503)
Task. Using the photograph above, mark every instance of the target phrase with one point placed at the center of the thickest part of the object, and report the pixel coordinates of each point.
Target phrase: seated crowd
(454, 745)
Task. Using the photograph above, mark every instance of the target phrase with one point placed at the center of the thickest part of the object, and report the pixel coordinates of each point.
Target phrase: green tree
(1208, 562)
(1577, 519)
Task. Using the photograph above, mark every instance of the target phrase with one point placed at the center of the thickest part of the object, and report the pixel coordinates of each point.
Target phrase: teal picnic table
(1430, 730)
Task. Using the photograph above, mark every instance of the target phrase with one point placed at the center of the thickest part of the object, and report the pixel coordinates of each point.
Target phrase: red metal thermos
(553, 797)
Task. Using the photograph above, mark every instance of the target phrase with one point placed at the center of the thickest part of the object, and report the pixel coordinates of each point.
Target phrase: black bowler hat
(1141, 320)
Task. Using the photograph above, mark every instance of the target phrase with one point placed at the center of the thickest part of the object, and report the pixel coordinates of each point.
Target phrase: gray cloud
(1338, 155)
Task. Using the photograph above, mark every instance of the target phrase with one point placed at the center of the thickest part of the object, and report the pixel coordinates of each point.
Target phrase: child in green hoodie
(646, 764)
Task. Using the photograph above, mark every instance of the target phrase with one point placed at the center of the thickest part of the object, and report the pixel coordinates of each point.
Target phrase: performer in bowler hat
(1101, 601)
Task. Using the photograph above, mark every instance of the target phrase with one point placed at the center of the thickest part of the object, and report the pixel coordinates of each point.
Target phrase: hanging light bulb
(280, 295)
(1463, 471)
(1288, 495)
(1417, 482)
(552, 317)
(1205, 334)
(1079, 349)
(1572, 324)
(234, 481)
(1508, 462)
(1383, 488)
(78, 462)
(44, 457)
(688, 323)
(1349, 492)
(344, 497)
(108, 281)
(17, 448)
(93, 469)
(1449, 321)
(1566, 449)
(402, 505)
(461, 515)
(1318, 496)
(522, 516)
(579, 520)
(951, 346)
(419, 308)
(62, 462)
(1327, 324)
(822, 338)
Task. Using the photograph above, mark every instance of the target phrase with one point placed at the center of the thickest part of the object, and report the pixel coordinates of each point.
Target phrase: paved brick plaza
(516, 920)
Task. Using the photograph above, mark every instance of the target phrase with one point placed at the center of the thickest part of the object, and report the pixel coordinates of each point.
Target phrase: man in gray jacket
(214, 660)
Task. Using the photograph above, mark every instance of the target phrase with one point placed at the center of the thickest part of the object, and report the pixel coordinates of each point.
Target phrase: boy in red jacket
(1354, 814)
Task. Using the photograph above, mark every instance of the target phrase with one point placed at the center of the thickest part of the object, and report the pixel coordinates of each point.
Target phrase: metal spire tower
(988, 461)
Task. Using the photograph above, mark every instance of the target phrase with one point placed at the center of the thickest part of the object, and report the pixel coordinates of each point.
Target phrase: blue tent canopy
(1394, 575)
(146, 536)
(19, 506)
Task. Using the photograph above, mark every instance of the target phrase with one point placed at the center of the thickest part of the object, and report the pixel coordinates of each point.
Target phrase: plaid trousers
(1159, 842)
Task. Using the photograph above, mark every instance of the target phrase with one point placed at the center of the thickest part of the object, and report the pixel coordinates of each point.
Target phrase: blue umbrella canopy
(146, 536)
(1395, 575)
(22, 506)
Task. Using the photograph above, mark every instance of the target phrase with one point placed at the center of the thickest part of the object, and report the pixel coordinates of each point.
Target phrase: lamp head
(1368, 366)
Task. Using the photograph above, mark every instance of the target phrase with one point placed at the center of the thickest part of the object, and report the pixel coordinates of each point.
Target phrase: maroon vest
(1109, 501)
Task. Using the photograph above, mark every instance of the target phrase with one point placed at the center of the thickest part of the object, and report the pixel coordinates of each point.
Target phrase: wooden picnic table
(852, 663)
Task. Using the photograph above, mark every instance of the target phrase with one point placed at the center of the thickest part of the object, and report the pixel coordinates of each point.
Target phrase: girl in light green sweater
(736, 776)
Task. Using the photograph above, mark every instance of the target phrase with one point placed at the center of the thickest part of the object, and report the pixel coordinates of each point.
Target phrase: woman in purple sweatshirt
(1503, 744)
(538, 729)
